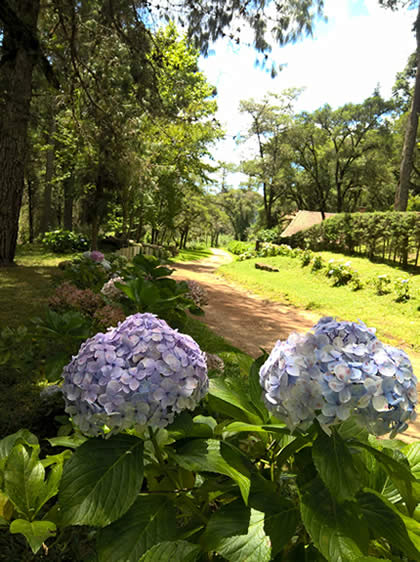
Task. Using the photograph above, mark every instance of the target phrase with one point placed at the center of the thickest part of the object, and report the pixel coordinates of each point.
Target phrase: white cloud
(361, 46)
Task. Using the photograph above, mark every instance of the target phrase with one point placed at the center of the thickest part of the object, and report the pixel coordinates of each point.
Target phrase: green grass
(397, 323)
(25, 289)
(192, 254)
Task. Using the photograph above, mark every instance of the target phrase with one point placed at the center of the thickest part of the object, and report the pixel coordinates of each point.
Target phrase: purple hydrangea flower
(338, 370)
(139, 374)
(98, 257)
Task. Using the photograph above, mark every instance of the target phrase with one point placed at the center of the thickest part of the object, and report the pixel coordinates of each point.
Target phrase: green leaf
(24, 480)
(398, 469)
(281, 514)
(336, 532)
(239, 427)
(72, 441)
(386, 522)
(210, 456)
(230, 520)
(149, 521)
(176, 551)
(21, 436)
(254, 546)
(101, 480)
(255, 390)
(184, 426)
(334, 463)
(412, 453)
(232, 400)
(35, 532)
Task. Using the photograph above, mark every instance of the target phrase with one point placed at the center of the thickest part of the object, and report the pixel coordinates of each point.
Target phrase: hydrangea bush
(110, 290)
(136, 375)
(338, 370)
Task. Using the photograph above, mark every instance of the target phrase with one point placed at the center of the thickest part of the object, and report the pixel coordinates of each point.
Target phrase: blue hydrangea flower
(338, 370)
(139, 374)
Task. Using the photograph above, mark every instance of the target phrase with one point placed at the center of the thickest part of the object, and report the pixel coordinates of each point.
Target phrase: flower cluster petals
(109, 289)
(139, 374)
(338, 370)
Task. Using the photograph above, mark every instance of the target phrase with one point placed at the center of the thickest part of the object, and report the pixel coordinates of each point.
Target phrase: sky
(360, 47)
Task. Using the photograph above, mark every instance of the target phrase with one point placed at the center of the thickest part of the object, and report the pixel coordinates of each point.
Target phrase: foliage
(382, 284)
(237, 247)
(394, 321)
(343, 274)
(306, 257)
(228, 480)
(64, 241)
(392, 235)
(148, 288)
(402, 290)
(86, 273)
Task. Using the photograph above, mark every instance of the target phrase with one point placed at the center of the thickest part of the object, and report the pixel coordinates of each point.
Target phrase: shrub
(340, 273)
(382, 284)
(402, 290)
(306, 257)
(237, 247)
(317, 263)
(65, 241)
(87, 273)
(68, 297)
(197, 293)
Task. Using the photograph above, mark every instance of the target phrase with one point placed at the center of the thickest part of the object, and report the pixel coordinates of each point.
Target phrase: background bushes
(392, 236)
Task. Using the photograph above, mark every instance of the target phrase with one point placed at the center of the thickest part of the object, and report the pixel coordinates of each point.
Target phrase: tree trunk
(68, 203)
(401, 195)
(48, 221)
(30, 210)
(15, 99)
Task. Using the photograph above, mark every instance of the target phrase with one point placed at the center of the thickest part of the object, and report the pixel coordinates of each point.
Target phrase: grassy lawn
(192, 255)
(397, 323)
(24, 290)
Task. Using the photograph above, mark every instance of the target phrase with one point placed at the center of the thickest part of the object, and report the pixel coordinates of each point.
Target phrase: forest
(108, 126)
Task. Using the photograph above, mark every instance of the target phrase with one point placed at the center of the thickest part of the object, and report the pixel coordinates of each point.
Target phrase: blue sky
(360, 47)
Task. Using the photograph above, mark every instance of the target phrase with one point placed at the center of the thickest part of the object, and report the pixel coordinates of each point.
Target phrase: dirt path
(250, 322)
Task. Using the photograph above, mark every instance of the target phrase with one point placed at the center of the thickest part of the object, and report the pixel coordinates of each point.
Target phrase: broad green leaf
(101, 480)
(228, 521)
(235, 401)
(72, 441)
(6, 507)
(238, 427)
(352, 429)
(149, 521)
(176, 551)
(281, 514)
(398, 469)
(413, 530)
(24, 480)
(255, 389)
(291, 448)
(35, 532)
(22, 436)
(336, 533)
(254, 546)
(412, 453)
(386, 522)
(334, 463)
(209, 455)
(184, 426)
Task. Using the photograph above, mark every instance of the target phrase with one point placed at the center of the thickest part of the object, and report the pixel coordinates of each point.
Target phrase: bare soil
(250, 322)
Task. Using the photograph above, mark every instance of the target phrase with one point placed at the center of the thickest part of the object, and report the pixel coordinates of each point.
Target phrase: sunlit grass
(395, 322)
(192, 254)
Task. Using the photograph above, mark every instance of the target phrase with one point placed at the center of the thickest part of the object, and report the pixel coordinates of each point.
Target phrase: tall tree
(21, 49)
(270, 120)
(406, 167)
(338, 154)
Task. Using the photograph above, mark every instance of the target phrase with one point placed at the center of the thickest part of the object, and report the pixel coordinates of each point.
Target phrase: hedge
(394, 236)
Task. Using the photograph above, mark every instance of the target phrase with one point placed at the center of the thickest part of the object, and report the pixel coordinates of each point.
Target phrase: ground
(250, 322)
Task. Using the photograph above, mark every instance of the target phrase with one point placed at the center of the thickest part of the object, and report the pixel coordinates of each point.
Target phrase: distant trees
(410, 137)
(101, 55)
(328, 160)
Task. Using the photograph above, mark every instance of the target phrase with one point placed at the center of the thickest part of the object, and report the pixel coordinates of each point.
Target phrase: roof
(303, 220)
